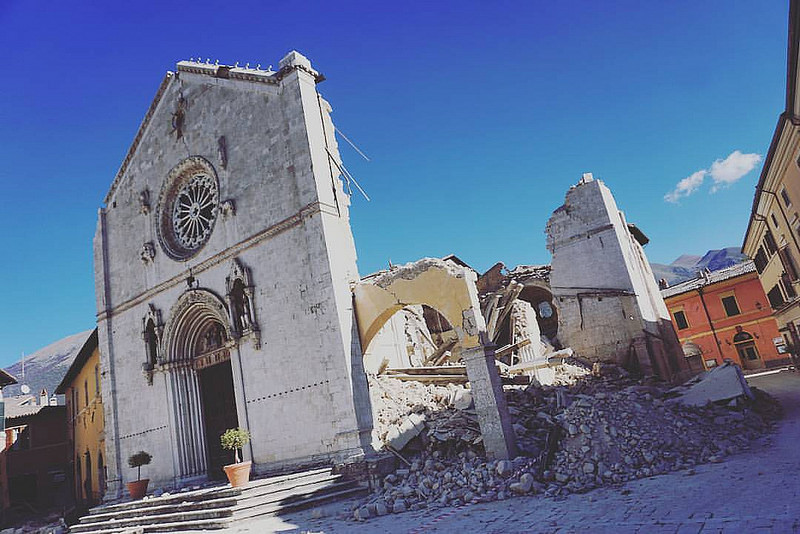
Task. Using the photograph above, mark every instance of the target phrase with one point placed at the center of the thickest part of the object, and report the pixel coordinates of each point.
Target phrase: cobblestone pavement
(756, 491)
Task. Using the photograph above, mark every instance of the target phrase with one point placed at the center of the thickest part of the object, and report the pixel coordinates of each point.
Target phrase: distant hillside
(687, 266)
(46, 367)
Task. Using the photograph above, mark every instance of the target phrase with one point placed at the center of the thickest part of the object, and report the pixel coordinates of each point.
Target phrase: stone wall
(610, 308)
(283, 216)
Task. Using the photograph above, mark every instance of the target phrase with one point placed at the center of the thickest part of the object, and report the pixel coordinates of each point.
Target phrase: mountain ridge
(683, 268)
(45, 368)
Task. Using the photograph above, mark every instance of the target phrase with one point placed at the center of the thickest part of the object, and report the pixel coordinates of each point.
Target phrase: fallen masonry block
(720, 384)
(462, 400)
(398, 436)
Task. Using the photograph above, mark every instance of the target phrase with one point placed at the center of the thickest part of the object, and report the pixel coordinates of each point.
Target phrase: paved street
(756, 491)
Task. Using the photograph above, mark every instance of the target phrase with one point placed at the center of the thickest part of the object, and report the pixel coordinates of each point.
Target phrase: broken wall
(404, 341)
(610, 308)
(450, 289)
(525, 326)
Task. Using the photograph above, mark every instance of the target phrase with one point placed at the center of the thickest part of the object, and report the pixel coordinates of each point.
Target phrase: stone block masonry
(223, 264)
(609, 305)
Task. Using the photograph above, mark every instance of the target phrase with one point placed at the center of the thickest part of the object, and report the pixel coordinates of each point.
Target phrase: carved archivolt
(239, 296)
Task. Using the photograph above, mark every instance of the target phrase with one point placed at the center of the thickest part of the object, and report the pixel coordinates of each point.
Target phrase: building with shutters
(85, 424)
(772, 238)
(725, 315)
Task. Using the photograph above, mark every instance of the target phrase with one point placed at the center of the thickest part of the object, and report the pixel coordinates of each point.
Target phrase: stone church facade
(223, 265)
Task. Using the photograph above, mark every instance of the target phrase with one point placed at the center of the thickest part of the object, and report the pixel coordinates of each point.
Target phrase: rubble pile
(613, 436)
(403, 410)
(600, 430)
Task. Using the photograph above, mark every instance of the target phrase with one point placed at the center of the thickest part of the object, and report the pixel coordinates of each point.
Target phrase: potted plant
(138, 488)
(239, 472)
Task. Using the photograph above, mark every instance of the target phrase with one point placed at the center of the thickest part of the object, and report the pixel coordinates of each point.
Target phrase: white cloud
(728, 171)
(723, 172)
(687, 186)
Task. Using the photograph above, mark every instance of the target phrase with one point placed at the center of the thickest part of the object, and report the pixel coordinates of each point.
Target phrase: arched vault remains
(451, 290)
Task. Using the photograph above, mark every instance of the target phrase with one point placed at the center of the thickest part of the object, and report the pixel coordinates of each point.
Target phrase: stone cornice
(782, 152)
(235, 72)
(786, 152)
(224, 256)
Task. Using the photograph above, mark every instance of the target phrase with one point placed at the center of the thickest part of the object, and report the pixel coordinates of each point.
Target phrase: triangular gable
(139, 134)
(288, 64)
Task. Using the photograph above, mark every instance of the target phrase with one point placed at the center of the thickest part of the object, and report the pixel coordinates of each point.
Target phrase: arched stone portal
(196, 356)
(539, 295)
(449, 289)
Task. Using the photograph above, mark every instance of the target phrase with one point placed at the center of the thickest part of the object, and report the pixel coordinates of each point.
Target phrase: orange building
(723, 315)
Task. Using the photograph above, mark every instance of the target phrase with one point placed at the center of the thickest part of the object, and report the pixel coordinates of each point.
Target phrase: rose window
(194, 210)
(187, 208)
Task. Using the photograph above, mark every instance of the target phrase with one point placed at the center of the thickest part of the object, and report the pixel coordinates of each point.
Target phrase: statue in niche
(151, 342)
(239, 298)
(152, 330)
(240, 307)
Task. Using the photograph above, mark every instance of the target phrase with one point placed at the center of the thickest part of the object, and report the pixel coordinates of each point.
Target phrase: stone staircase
(217, 507)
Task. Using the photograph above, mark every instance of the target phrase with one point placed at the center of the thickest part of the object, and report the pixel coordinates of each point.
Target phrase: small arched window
(742, 337)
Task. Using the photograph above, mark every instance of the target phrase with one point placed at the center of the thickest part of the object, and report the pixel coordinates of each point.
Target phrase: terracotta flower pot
(138, 488)
(238, 474)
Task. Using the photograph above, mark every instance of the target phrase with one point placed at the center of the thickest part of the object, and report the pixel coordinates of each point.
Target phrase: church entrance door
(219, 413)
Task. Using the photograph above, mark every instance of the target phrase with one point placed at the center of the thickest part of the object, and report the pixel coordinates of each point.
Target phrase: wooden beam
(502, 351)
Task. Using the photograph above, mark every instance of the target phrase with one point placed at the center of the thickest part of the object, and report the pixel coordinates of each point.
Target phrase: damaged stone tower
(610, 308)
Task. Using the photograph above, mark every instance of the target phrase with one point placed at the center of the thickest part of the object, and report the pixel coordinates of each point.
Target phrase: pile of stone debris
(606, 428)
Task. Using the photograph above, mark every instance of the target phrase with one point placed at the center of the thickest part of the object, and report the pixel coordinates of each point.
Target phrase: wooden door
(219, 414)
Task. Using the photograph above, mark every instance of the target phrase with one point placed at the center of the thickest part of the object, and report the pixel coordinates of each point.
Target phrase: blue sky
(477, 116)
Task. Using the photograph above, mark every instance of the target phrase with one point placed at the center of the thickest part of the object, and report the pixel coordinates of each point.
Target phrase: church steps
(173, 498)
(176, 508)
(281, 499)
(189, 517)
(218, 507)
(173, 526)
(266, 491)
(295, 505)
